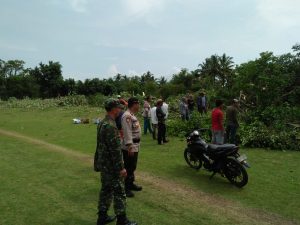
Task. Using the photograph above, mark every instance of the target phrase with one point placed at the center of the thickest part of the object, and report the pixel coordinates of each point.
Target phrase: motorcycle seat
(221, 147)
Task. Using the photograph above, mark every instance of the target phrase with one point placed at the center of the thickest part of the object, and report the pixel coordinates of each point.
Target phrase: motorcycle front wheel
(235, 173)
(193, 161)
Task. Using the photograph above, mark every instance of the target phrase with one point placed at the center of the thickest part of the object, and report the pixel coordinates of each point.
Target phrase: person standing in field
(191, 103)
(154, 121)
(217, 124)
(131, 144)
(232, 123)
(161, 134)
(183, 109)
(119, 118)
(202, 103)
(165, 109)
(146, 115)
(108, 161)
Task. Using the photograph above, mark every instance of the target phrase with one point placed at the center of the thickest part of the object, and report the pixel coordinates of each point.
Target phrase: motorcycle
(223, 159)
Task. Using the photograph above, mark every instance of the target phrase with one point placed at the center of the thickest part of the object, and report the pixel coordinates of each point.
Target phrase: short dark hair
(132, 101)
(219, 102)
(159, 102)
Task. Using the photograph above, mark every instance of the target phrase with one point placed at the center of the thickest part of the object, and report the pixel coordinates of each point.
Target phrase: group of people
(118, 145)
(155, 119)
(219, 133)
(187, 105)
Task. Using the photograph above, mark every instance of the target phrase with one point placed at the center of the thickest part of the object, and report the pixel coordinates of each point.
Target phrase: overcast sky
(99, 38)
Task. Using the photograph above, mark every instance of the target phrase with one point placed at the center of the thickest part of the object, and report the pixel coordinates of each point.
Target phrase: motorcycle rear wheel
(235, 173)
(193, 161)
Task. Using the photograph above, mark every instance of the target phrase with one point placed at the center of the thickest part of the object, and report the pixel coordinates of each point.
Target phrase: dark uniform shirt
(191, 104)
(231, 115)
(160, 115)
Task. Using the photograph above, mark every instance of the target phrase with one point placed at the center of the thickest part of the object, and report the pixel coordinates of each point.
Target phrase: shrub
(258, 135)
(179, 128)
(72, 100)
(97, 100)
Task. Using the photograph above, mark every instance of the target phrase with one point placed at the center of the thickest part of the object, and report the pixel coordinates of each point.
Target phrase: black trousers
(130, 163)
(231, 131)
(161, 133)
(202, 109)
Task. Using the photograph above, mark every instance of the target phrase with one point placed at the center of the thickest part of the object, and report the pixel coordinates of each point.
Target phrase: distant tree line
(264, 81)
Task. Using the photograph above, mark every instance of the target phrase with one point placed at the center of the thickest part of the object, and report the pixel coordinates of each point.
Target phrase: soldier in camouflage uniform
(109, 161)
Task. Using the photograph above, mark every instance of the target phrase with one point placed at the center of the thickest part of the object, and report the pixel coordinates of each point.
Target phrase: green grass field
(40, 186)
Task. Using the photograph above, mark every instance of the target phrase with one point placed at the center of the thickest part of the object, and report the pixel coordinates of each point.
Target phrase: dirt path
(217, 206)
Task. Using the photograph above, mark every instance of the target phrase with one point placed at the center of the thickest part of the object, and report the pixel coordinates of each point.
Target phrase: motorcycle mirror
(196, 133)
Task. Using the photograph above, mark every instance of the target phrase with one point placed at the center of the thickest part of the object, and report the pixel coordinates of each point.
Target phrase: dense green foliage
(270, 128)
(264, 81)
(72, 100)
(268, 88)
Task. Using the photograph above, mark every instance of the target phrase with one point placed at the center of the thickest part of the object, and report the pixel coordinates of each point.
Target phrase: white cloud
(133, 73)
(175, 69)
(281, 14)
(79, 5)
(148, 10)
(142, 7)
(13, 47)
(113, 70)
(111, 58)
(124, 45)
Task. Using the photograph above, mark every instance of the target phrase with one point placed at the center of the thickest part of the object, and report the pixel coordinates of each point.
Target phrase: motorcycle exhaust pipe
(245, 164)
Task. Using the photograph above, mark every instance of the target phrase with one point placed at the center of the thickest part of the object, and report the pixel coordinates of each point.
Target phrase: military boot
(135, 187)
(129, 193)
(123, 220)
(103, 219)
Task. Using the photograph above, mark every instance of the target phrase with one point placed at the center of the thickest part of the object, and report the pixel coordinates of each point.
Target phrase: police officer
(109, 161)
(131, 144)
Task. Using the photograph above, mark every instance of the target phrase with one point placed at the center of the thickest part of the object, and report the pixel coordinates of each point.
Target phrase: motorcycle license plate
(242, 158)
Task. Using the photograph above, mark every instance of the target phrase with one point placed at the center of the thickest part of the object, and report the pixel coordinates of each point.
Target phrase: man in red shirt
(217, 124)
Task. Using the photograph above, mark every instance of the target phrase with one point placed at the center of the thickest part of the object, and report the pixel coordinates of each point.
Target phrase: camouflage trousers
(112, 190)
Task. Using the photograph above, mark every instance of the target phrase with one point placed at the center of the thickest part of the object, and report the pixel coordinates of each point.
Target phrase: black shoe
(166, 141)
(129, 193)
(160, 143)
(122, 220)
(102, 220)
(135, 187)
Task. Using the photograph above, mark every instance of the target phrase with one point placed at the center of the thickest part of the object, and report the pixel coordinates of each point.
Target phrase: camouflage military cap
(111, 103)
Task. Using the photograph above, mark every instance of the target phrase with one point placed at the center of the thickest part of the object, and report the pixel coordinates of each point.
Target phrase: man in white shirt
(165, 109)
(153, 121)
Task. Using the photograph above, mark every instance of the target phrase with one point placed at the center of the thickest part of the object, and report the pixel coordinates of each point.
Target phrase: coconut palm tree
(217, 69)
(226, 67)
